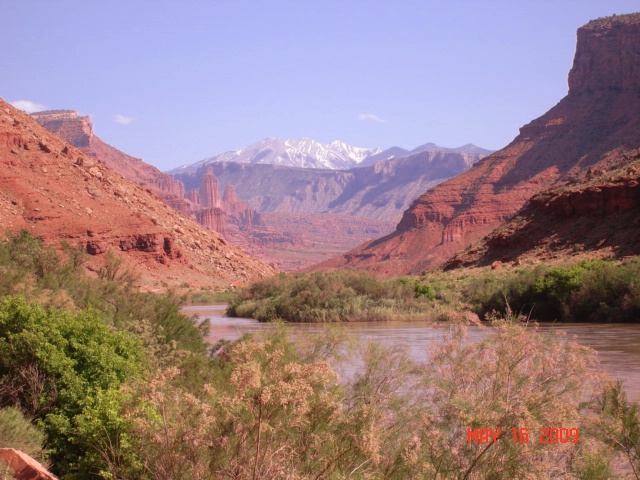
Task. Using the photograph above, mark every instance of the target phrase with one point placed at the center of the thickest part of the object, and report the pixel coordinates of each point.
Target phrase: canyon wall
(78, 131)
(601, 113)
(58, 193)
(205, 205)
(596, 216)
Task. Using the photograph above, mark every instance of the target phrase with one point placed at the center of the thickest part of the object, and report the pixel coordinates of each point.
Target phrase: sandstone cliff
(377, 195)
(601, 113)
(78, 131)
(595, 216)
(59, 193)
(203, 205)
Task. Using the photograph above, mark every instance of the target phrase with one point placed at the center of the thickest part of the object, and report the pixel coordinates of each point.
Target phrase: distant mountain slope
(397, 152)
(308, 153)
(381, 191)
(58, 193)
(597, 215)
(304, 153)
(601, 113)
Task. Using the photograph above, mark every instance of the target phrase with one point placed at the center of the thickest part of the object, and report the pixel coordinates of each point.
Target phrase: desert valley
(103, 373)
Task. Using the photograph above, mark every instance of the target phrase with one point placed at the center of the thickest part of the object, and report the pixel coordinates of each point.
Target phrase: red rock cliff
(600, 113)
(78, 131)
(58, 193)
(580, 219)
(209, 195)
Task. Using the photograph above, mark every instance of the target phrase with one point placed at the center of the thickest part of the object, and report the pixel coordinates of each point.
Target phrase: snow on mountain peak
(303, 152)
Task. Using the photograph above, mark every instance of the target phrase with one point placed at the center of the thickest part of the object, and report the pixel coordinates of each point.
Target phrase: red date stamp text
(521, 435)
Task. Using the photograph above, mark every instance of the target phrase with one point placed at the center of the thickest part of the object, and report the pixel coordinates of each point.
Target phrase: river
(617, 344)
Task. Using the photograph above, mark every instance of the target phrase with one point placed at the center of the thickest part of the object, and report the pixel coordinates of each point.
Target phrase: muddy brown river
(618, 345)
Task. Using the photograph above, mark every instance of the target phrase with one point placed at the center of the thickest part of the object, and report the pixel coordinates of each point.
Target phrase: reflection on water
(618, 345)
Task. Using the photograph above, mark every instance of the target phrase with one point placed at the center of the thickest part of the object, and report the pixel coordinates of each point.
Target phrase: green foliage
(123, 386)
(66, 368)
(334, 297)
(424, 290)
(209, 297)
(17, 432)
(610, 293)
(52, 363)
(588, 291)
(620, 425)
(33, 269)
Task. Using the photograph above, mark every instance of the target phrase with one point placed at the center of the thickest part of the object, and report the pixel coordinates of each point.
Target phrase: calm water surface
(618, 345)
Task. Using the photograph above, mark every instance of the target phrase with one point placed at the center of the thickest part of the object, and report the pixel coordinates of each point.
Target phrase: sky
(174, 82)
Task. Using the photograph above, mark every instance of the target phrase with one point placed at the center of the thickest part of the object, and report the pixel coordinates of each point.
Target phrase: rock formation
(375, 195)
(209, 196)
(212, 218)
(579, 219)
(601, 113)
(23, 466)
(78, 131)
(381, 191)
(238, 211)
(203, 205)
(367, 201)
(193, 196)
(58, 193)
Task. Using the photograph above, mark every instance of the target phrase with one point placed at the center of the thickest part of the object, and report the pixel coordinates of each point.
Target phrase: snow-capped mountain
(305, 153)
(398, 152)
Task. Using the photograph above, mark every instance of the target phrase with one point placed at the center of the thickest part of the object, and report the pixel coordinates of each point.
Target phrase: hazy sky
(174, 82)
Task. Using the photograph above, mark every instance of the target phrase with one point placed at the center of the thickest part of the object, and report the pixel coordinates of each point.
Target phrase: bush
(334, 297)
(33, 269)
(17, 432)
(53, 363)
(272, 408)
(588, 291)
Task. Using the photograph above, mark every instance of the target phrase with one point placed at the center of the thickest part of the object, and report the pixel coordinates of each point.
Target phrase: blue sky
(174, 82)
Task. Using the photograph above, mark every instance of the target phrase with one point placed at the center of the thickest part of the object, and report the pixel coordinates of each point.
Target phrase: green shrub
(424, 290)
(29, 267)
(334, 297)
(610, 293)
(52, 363)
(17, 432)
(587, 291)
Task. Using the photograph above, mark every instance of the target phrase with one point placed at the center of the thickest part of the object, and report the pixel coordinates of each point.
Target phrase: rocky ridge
(212, 212)
(78, 131)
(600, 114)
(285, 242)
(59, 193)
(381, 191)
(302, 153)
(596, 215)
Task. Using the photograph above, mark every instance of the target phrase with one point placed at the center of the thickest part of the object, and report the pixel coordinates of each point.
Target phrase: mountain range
(295, 216)
(309, 153)
(564, 177)
(381, 191)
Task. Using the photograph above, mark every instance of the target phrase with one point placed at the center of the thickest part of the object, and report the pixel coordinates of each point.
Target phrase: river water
(618, 345)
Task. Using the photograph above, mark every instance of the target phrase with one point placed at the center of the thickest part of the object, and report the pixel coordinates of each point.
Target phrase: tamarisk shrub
(273, 408)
